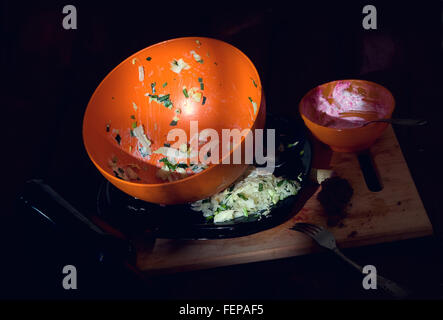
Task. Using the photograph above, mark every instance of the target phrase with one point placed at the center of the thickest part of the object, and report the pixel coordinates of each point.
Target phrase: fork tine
(313, 228)
(306, 228)
(301, 226)
(302, 230)
(297, 228)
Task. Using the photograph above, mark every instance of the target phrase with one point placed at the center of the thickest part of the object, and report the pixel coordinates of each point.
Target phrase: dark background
(50, 73)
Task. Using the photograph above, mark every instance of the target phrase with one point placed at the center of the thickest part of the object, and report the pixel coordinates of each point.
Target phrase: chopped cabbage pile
(255, 193)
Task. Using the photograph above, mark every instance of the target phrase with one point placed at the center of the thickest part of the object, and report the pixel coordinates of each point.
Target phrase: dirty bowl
(163, 87)
(347, 139)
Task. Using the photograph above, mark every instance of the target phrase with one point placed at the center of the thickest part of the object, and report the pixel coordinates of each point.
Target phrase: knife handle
(41, 201)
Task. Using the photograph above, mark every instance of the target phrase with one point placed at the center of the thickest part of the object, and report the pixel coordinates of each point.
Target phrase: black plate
(131, 215)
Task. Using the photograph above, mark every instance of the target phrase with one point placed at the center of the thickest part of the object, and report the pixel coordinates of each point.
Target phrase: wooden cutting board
(394, 213)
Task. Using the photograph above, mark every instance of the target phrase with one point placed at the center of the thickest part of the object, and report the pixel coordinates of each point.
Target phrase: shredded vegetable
(255, 193)
(145, 144)
(178, 65)
(196, 56)
(141, 73)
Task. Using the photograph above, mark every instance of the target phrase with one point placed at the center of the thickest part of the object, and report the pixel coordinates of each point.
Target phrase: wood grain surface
(394, 213)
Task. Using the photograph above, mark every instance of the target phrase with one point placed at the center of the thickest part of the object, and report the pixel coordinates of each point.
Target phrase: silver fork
(326, 239)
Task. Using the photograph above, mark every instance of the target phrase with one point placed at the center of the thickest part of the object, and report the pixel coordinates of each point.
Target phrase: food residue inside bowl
(326, 103)
(170, 162)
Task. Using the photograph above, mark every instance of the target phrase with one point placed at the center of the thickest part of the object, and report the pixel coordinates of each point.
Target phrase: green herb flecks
(209, 218)
(245, 212)
(153, 87)
(116, 174)
(185, 92)
(134, 125)
(292, 144)
(302, 152)
(255, 85)
(165, 84)
(280, 183)
(260, 187)
(167, 103)
(242, 196)
(168, 164)
(133, 117)
(202, 86)
(163, 98)
(118, 138)
(254, 105)
(173, 123)
(148, 58)
(172, 166)
(200, 79)
(219, 209)
(203, 101)
(167, 145)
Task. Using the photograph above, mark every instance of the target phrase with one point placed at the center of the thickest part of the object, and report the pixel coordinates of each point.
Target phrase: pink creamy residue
(325, 110)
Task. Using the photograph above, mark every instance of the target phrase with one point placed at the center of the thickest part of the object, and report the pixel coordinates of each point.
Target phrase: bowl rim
(305, 118)
(110, 177)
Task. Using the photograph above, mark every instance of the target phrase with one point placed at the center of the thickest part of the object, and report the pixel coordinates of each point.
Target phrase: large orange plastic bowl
(349, 139)
(225, 84)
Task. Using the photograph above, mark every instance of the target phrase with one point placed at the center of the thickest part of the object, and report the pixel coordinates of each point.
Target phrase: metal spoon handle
(402, 122)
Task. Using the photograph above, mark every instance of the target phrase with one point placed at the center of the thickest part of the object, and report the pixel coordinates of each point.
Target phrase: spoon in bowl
(371, 117)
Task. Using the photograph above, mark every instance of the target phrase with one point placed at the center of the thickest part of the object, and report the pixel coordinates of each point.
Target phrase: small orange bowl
(348, 139)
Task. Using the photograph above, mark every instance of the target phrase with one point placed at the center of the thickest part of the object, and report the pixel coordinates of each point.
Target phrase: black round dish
(132, 215)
